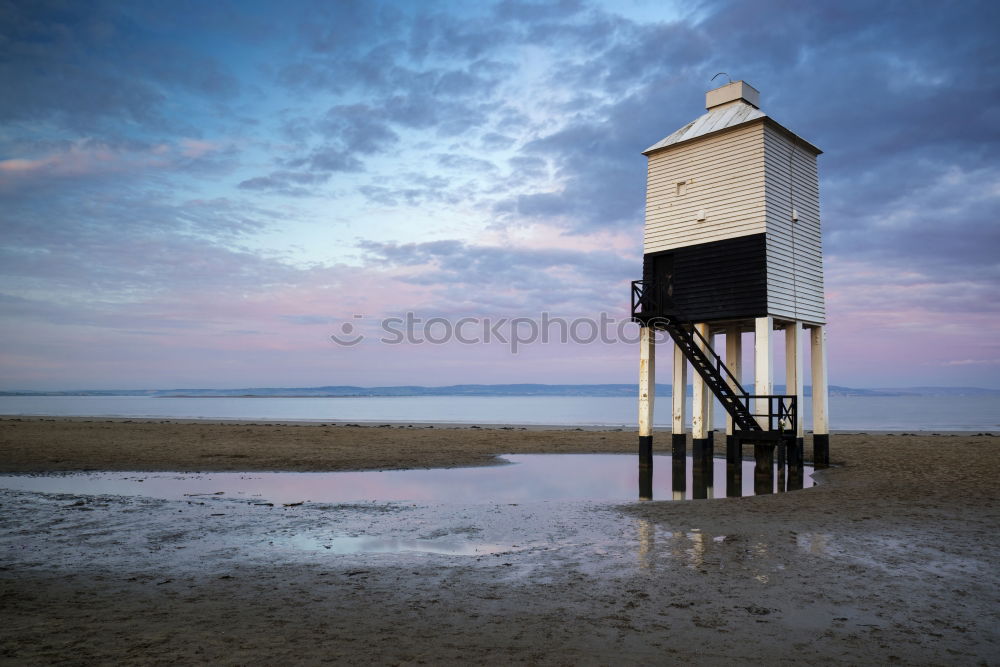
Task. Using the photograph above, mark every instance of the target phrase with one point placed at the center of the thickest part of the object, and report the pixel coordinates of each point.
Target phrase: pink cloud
(87, 158)
(627, 242)
(195, 148)
(972, 362)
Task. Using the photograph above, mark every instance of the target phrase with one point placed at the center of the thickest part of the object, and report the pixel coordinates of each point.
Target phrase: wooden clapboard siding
(746, 258)
(718, 280)
(726, 174)
(794, 249)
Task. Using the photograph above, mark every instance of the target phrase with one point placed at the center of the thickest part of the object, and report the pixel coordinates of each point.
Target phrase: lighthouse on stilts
(733, 245)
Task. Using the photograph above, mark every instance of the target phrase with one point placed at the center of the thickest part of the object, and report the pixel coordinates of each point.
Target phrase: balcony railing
(782, 412)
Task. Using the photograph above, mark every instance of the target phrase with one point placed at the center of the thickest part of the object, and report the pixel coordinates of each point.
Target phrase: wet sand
(890, 559)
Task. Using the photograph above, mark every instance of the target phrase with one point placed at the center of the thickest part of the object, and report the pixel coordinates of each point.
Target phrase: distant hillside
(944, 391)
(340, 391)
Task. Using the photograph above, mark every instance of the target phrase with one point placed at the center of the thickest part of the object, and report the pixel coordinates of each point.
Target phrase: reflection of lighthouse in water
(693, 480)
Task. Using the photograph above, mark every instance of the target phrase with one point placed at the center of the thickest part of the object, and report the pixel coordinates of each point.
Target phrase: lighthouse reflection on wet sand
(733, 246)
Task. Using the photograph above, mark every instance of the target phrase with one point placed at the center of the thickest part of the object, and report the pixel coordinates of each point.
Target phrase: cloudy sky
(199, 194)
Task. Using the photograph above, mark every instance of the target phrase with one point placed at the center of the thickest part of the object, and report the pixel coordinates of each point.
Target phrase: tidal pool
(522, 478)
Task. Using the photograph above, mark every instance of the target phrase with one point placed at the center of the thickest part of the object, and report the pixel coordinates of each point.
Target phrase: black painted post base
(708, 463)
(645, 482)
(796, 453)
(782, 460)
(698, 446)
(821, 450)
(795, 470)
(700, 481)
(678, 443)
(646, 450)
(734, 467)
(645, 467)
(763, 472)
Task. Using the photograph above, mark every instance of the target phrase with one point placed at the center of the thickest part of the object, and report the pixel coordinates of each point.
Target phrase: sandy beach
(891, 558)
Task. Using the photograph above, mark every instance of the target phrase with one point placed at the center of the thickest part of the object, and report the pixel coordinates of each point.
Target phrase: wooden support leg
(794, 380)
(763, 370)
(794, 385)
(678, 438)
(708, 465)
(679, 425)
(710, 409)
(647, 394)
(699, 489)
(734, 466)
(699, 427)
(734, 362)
(709, 450)
(820, 399)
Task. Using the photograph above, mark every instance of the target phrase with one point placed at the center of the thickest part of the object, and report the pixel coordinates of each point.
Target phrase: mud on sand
(891, 559)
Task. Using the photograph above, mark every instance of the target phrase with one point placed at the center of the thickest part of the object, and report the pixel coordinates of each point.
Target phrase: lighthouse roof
(730, 106)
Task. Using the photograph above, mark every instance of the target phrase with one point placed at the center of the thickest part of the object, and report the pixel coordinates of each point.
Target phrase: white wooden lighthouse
(732, 244)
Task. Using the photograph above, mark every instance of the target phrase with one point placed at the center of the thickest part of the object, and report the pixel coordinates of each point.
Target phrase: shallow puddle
(373, 544)
(527, 477)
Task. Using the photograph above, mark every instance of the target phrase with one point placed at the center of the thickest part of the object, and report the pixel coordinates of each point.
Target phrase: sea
(847, 413)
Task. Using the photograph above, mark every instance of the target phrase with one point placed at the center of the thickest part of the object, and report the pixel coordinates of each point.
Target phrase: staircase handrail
(639, 297)
(734, 384)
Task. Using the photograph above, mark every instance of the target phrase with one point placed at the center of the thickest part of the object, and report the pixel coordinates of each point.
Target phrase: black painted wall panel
(717, 280)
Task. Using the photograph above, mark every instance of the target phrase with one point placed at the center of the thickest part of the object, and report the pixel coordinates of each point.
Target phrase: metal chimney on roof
(731, 92)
